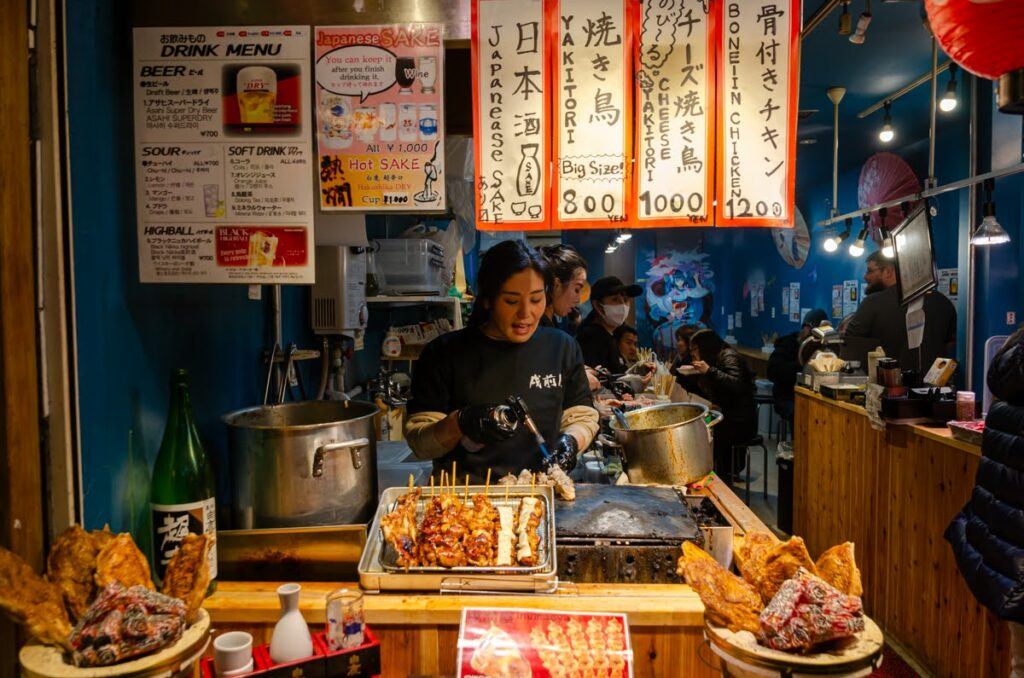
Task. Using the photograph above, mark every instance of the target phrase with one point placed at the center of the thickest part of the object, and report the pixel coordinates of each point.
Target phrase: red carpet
(893, 666)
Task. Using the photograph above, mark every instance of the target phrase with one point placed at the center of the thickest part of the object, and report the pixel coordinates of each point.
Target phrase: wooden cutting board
(47, 661)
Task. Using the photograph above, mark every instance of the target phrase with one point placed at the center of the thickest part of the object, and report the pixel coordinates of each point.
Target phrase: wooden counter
(418, 632)
(893, 493)
(756, 359)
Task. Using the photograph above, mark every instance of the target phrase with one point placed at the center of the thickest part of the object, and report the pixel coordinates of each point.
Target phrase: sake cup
(232, 653)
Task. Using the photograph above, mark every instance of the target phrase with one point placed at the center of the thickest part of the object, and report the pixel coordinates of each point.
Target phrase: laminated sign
(593, 106)
(223, 155)
(510, 114)
(675, 120)
(380, 117)
(757, 90)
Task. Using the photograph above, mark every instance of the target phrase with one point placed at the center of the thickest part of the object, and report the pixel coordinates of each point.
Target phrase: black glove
(487, 424)
(564, 454)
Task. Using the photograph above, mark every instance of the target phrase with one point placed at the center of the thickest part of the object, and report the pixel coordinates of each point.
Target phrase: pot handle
(712, 419)
(352, 445)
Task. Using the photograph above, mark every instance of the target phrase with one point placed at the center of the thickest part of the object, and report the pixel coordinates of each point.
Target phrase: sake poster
(380, 117)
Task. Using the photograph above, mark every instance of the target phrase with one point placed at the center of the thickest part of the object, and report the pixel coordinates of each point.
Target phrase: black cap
(815, 317)
(606, 287)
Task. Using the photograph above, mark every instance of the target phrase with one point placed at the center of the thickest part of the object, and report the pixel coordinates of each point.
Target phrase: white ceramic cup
(232, 652)
(248, 668)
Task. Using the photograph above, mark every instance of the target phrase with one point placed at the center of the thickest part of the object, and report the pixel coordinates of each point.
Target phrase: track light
(862, 24)
(989, 232)
(833, 242)
(888, 249)
(949, 100)
(887, 132)
(623, 236)
(610, 249)
(846, 19)
(857, 247)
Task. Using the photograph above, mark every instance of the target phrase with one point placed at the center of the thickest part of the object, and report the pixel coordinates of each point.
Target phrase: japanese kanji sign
(675, 120)
(593, 103)
(511, 86)
(757, 90)
(223, 154)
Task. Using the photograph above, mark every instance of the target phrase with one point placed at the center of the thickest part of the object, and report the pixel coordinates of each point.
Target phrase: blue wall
(130, 335)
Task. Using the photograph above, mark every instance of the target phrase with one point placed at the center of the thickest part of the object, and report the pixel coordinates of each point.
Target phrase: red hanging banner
(511, 108)
(758, 79)
(673, 176)
(593, 112)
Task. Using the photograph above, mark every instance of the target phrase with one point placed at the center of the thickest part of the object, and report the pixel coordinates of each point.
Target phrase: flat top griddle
(624, 513)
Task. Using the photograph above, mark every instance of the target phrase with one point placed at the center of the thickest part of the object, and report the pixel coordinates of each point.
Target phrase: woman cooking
(462, 378)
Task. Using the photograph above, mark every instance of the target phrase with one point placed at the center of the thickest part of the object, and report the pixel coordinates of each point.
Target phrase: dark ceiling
(896, 52)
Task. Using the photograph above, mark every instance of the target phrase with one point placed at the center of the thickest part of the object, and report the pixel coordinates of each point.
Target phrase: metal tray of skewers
(382, 568)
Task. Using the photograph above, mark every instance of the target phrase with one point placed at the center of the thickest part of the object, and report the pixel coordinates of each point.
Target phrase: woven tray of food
(968, 431)
(499, 538)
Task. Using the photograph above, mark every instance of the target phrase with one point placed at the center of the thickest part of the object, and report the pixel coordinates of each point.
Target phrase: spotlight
(862, 24)
(610, 249)
(857, 248)
(846, 19)
(949, 100)
(989, 232)
(623, 236)
(887, 133)
(888, 251)
(831, 244)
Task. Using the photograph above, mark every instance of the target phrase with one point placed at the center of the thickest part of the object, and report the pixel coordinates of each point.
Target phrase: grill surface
(625, 513)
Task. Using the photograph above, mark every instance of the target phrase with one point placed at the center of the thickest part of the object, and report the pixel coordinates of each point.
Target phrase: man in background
(628, 342)
(882, 321)
(784, 364)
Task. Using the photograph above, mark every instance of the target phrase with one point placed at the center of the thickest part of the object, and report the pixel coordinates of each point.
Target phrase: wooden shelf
(415, 299)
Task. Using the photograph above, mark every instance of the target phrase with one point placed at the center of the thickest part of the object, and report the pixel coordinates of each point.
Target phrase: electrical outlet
(1011, 318)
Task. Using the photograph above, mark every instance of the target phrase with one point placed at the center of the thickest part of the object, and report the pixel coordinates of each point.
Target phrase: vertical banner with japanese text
(757, 95)
(222, 155)
(593, 103)
(511, 127)
(380, 117)
(675, 119)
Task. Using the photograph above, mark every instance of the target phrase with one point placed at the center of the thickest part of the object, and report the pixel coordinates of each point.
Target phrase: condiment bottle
(965, 405)
(182, 493)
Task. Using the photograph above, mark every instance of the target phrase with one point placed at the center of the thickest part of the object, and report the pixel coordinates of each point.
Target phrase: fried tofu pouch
(728, 600)
(838, 567)
(188, 574)
(121, 560)
(751, 556)
(71, 565)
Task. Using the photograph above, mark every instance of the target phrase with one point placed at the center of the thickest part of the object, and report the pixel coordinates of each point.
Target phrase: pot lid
(626, 513)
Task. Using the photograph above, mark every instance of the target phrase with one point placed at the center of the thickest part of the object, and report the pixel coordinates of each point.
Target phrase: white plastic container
(410, 266)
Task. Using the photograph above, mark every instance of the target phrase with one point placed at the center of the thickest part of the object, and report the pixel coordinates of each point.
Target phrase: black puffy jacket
(988, 534)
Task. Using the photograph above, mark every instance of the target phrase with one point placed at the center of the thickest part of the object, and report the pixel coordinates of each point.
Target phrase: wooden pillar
(21, 524)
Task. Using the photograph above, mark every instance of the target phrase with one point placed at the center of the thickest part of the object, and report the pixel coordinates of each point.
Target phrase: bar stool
(756, 441)
(765, 399)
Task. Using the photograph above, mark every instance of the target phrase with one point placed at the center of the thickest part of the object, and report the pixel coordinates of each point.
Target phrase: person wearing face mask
(463, 378)
(610, 298)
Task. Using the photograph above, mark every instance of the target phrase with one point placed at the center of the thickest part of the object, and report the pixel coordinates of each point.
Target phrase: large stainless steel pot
(301, 464)
(667, 444)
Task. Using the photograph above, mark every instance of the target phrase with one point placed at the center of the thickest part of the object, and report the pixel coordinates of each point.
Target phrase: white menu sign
(675, 130)
(757, 110)
(510, 113)
(593, 105)
(224, 187)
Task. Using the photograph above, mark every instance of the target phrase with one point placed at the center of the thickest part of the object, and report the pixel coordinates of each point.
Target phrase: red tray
(362, 661)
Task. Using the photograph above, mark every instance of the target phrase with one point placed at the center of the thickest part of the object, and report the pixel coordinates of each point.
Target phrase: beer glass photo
(262, 249)
(405, 74)
(257, 94)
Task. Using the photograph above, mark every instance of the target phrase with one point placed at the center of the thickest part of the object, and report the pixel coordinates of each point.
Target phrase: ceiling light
(623, 236)
(989, 232)
(888, 250)
(887, 133)
(833, 242)
(857, 247)
(846, 19)
(949, 100)
(610, 249)
(862, 24)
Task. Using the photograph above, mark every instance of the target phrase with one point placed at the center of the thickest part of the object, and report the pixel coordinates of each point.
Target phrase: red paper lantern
(984, 37)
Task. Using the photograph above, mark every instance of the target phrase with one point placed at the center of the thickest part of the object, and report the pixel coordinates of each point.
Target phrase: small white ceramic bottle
(291, 639)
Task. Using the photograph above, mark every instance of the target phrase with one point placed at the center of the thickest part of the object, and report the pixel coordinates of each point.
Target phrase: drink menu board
(757, 75)
(675, 119)
(222, 154)
(510, 113)
(593, 103)
(543, 644)
(380, 117)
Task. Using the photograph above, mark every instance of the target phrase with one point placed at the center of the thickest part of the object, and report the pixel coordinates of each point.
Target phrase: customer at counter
(727, 381)
(682, 369)
(568, 282)
(784, 364)
(988, 534)
(610, 298)
(882, 320)
(463, 377)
